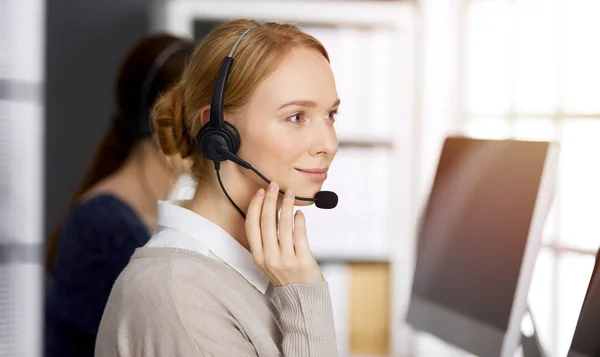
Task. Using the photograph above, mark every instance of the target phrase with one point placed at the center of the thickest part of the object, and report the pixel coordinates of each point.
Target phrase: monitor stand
(531, 344)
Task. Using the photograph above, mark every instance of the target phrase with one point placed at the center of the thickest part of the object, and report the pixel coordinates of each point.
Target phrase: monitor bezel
(473, 335)
(593, 286)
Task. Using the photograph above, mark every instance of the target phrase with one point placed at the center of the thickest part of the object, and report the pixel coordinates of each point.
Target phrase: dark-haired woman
(114, 210)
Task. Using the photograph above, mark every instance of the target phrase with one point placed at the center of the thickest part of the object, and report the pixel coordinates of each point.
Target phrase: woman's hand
(280, 250)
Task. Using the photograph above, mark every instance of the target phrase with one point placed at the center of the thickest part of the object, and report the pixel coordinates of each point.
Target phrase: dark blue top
(98, 238)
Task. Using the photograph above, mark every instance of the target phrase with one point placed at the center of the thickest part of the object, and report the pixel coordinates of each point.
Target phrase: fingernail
(289, 193)
(260, 192)
(272, 186)
(298, 212)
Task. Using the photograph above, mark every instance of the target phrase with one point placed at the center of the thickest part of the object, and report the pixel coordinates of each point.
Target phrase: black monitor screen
(475, 228)
(586, 341)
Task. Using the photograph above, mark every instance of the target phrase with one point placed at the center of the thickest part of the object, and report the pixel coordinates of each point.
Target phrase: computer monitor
(586, 339)
(478, 240)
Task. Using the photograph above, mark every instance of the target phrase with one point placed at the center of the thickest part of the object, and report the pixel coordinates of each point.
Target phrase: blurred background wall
(86, 40)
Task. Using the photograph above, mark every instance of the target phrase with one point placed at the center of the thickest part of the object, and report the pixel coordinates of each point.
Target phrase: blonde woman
(223, 275)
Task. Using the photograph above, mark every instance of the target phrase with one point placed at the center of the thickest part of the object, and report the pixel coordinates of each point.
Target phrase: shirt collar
(172, 215)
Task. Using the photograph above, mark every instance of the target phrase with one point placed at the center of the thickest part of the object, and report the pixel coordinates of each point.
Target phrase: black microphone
(322, 199)
(326, 199)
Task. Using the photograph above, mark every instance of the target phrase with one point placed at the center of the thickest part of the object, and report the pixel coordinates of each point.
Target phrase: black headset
(218, 140)
(142, 127)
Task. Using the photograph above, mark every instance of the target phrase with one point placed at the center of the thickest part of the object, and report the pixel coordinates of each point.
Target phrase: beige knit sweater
(176, 302)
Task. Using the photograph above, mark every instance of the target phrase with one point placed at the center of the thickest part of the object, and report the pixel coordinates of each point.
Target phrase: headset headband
(216, 120)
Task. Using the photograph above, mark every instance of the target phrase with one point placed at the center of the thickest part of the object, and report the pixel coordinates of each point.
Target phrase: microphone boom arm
(223, 150)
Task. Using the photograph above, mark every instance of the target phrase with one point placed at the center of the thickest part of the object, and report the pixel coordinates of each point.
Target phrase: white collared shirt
(179, 227)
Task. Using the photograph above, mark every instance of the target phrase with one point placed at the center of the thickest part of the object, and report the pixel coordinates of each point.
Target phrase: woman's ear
(205, 115)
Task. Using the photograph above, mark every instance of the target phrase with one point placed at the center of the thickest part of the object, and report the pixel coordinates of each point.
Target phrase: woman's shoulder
(103, 213)
(101, 228)
(183, 269)
(103, 207)
(167, 294)
(178, 263)
(167, 274)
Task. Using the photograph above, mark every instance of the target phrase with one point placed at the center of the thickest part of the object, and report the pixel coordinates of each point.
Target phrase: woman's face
(288, 129)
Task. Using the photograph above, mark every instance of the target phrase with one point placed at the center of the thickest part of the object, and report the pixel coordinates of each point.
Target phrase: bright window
(532, 72)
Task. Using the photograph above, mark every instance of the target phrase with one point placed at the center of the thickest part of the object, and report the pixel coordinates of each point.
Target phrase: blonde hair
(177, 113)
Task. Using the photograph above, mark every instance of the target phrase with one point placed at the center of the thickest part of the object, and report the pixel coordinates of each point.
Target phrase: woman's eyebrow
(305, 103)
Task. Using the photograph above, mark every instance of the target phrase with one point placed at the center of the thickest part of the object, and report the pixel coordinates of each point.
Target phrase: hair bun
(169, 120)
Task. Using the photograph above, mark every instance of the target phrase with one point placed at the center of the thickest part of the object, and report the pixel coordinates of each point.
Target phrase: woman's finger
(252, 224)
(268, 224)
(300, 239)
(286, 217)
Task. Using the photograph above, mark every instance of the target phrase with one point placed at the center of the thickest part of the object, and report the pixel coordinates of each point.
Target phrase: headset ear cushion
(234, 137)
(209, 139)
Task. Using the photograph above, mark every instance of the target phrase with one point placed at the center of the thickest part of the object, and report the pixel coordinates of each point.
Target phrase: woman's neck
(211, 203)
(142, 180)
